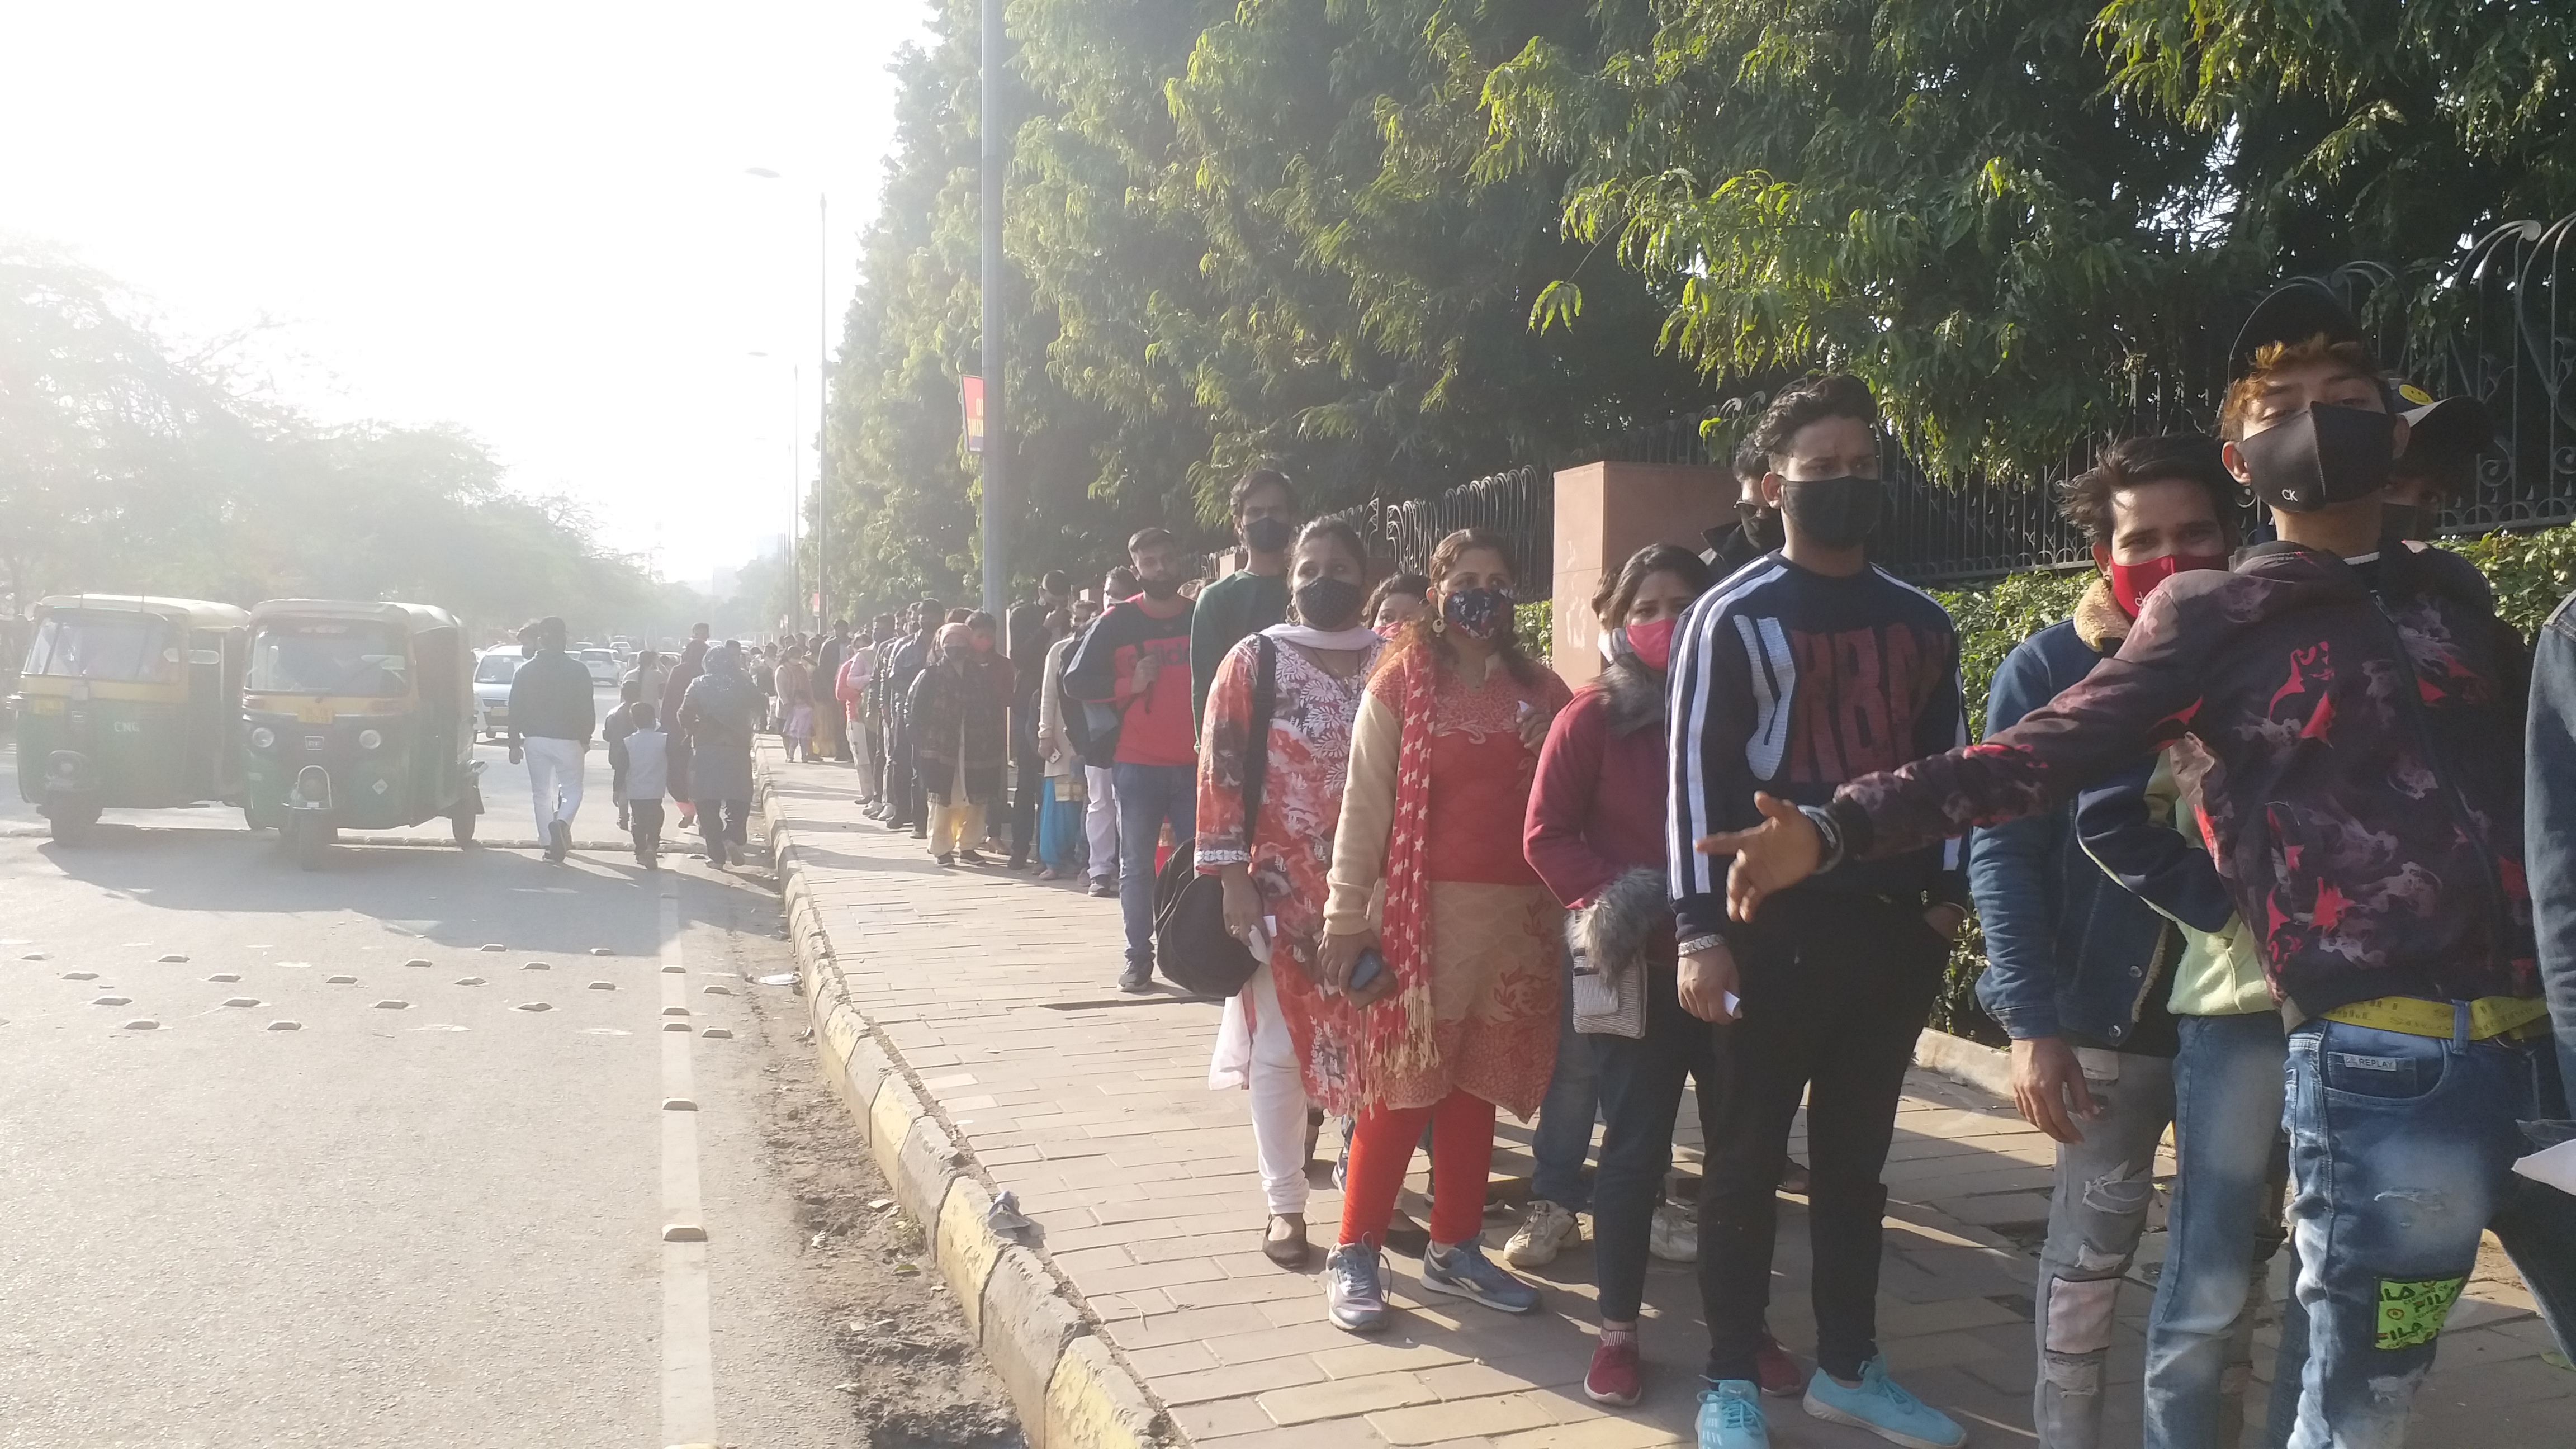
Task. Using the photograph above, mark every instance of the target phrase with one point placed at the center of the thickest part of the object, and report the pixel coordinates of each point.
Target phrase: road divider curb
(1066, 1380)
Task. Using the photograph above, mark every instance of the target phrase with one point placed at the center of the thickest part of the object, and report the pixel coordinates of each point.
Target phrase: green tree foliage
(125, 467)
(1244, 232)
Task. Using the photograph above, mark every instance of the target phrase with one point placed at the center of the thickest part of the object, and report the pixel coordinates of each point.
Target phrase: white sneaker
(1545, 1231)
(1674, 1237)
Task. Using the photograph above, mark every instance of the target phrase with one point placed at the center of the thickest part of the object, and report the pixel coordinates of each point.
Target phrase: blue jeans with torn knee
(2221, 1229)
(2096, 1210)
(2401, 1150)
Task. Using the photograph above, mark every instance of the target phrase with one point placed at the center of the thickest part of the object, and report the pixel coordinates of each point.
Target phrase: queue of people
(2245, 835)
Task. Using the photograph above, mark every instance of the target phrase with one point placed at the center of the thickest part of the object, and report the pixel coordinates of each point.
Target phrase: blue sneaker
(1461, 1271)
(1730, 1416)
(1355, 1288)
(1882, 1408)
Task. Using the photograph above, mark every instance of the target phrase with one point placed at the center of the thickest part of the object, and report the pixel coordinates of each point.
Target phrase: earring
(1439, 623)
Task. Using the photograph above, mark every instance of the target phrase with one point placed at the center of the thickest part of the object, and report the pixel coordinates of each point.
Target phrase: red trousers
(1462, 1157)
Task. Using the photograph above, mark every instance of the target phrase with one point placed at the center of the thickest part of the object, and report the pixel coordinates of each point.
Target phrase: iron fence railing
(2501, 327)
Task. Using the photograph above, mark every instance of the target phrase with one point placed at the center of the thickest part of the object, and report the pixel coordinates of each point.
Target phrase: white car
(493, 671)
(602, 664)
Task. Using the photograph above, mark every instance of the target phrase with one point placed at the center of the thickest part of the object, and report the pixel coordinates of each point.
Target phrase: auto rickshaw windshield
(118, 647)
(328, 657)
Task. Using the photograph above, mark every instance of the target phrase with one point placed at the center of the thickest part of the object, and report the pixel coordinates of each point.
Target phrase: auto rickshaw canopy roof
(416, 617)
(197, 612)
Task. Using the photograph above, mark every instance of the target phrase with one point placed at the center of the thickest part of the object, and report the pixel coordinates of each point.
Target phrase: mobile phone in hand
(1366, 970)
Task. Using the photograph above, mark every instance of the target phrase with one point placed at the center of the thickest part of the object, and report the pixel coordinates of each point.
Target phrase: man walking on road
(551, 717)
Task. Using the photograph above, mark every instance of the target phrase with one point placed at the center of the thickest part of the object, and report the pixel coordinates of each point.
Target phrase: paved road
(427, 1213)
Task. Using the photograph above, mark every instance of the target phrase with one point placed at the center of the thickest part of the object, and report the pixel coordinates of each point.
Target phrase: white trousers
(554, 778)
(1278, 1100)
(1100, 822)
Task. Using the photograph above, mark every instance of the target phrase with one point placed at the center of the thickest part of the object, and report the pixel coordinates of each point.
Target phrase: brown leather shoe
(1283, 1241)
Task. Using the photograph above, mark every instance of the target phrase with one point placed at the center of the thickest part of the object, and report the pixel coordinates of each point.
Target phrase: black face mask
(1269, 534)
(1761, 527)
(1329, 603)
(1834, 512)
(2323, 456)
(1159, 589)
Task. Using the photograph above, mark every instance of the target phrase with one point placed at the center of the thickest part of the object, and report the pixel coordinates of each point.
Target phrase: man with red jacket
(1134, 669)
(2364, 706)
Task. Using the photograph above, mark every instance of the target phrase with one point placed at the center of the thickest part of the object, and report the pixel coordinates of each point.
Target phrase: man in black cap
(1756, 530)
(2363, 712)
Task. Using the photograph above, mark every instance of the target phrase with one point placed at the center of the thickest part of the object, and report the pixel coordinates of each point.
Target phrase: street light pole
(997, 437)
(822, 406)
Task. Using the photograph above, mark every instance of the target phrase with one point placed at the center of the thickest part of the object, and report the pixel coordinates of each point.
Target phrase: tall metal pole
(997, 436)
(822, 407)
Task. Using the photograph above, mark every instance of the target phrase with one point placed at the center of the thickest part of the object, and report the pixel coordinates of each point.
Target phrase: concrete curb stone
(1067, 1382)
(1965, 1062)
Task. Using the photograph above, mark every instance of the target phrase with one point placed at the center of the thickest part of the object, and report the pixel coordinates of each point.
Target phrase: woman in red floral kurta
(1281, 1037)
(1463, 1018)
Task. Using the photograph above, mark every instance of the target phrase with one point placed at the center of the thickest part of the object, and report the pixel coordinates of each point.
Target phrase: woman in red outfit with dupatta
(1462, 1018)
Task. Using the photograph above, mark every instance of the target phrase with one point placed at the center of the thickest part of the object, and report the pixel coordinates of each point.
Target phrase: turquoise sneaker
(1882, 1408)
(1730, 1416)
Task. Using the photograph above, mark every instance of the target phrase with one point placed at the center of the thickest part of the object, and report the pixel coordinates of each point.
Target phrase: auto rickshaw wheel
(461, 825)
(70, 824)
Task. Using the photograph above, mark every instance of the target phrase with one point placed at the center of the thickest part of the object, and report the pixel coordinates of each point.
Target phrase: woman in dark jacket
(720, 713)
(693, 662)
(1595, 835)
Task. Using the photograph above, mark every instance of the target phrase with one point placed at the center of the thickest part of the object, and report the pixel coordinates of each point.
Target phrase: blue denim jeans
(1563, 1136)
(1641, 1082)
(2401, 1151)
(1149, 795)
(2221, 1229)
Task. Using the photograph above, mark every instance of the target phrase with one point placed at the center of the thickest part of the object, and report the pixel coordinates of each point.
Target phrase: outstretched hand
(1769, 858)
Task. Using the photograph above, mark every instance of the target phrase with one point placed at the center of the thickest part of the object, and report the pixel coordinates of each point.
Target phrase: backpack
(1092, 729)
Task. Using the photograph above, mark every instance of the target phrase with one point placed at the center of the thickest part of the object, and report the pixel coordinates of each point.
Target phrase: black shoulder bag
(1190, 938)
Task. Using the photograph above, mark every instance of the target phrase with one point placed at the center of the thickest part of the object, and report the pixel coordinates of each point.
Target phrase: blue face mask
(1480, 614)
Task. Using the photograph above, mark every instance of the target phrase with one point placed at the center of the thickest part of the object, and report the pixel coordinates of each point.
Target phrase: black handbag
(1190, 939)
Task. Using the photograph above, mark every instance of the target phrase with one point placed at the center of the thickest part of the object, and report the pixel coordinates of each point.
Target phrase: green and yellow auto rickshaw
(127, 701)
(359, 716)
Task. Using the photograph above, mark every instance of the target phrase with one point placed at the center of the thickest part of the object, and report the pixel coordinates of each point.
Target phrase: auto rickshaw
(127, 701)
(357, 715)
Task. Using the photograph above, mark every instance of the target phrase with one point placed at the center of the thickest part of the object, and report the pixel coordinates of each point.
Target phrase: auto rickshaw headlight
(263, 738)
(370, 739)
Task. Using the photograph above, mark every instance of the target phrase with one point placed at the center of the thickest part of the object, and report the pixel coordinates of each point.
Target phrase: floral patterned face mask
(1480, 614)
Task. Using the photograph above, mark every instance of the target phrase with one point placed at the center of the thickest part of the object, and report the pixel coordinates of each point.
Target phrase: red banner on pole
(970, 396)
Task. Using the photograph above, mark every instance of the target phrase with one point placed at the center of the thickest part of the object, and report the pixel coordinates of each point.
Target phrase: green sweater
(1229, 611)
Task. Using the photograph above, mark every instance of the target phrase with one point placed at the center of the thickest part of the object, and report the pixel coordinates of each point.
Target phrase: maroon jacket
(2365, 808)
(1596, 809)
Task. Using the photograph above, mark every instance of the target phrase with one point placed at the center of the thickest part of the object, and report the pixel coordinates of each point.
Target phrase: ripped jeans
(2401, 1149)
(2095, 1214)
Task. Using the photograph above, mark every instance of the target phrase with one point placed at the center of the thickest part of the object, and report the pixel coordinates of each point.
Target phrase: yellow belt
(2489, 1016)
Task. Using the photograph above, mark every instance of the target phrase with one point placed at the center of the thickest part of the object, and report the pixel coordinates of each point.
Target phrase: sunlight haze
(531, 221)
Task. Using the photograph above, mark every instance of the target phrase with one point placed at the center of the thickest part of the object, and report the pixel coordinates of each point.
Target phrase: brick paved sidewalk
(998, 992)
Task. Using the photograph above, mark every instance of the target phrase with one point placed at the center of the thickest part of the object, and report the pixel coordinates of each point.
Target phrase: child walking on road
(648, 774)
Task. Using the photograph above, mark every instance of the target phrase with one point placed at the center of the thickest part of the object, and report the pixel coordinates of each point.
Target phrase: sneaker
(1545, 1231)
(558, 840)
(1461, 1270)
(1674, 1234)
(1882, 1408)
(1135, 979)
(1612, 1378)
(1355, 1288)
(1773, 1368)
(968, 857)
(1104, 888)
(1730, 1416)
(948, 860)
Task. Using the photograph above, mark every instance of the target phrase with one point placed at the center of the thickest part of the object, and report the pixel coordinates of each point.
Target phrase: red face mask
(1652, 643)
(2131, 583)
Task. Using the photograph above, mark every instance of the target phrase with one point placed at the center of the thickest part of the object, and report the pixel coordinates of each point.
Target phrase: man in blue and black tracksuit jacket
(1803, 669)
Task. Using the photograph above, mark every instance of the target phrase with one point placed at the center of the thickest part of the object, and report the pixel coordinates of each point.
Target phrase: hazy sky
(530, 219)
